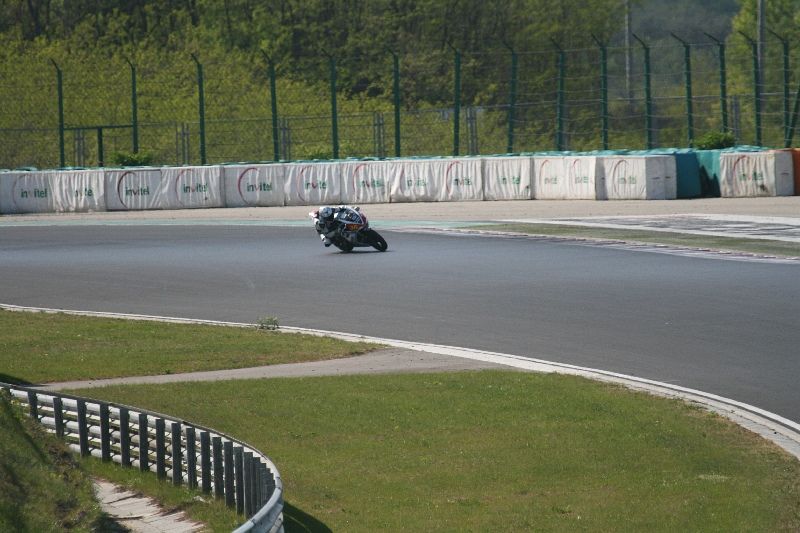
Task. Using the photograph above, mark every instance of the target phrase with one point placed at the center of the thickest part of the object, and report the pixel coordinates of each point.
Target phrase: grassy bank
(40, 487)
(39, 348)
(733, 244)
(494, 451)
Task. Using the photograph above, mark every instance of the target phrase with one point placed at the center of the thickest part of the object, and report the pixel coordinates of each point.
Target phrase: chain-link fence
(190, 110)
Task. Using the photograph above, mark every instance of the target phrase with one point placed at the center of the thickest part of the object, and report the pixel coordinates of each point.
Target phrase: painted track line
(782, 431)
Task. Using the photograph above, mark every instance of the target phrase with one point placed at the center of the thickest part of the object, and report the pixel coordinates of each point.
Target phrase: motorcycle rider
(325, 222)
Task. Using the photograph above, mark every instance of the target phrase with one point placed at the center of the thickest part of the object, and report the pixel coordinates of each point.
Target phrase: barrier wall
(752, 174)
(566, 177)
(436, 180)
(745, 171)
(365, 182)
(52, 191)
(507, 178)
(638, 178)
(254, 185)
(313, 184)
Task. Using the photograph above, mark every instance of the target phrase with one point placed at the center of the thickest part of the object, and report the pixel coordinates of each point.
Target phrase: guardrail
(174, 449)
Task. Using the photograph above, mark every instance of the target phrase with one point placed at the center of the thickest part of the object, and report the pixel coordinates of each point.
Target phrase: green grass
(734, 244)
(493, 450)
(40, 487)
(40, 348)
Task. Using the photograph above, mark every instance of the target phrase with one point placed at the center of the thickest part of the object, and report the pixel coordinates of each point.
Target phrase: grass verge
(493, 450)
(733, 244)
(40, 487)
(43, 347)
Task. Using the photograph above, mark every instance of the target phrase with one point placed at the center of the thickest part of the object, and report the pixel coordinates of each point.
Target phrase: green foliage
(268, 323)
(713, 140)
(41, 488)
(132, 159)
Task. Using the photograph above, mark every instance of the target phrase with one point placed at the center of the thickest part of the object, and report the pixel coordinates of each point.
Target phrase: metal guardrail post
(219, 475)
(230, 495)
(177, 455)
(105, 433)
(144, 444)
(125, 436)
(191, 458)
(161, 452)
(58, 415)
(33, 405)
(83, 429)
(205, 461)
(238, 459)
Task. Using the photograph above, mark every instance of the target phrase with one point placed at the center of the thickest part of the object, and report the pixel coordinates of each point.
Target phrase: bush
(132, 159)
(714, 140)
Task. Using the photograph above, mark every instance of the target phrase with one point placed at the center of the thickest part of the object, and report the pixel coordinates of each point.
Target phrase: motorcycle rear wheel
(377, 242)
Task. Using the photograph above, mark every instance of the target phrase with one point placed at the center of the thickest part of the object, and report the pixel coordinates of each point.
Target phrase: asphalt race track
(726, 327)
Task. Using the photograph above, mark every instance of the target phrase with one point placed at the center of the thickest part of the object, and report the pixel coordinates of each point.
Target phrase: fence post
(603, 90)
(396, 99)
(124, 436)
(177, 456)
(334, 113)
(248, 483)
(230, 496)
(161, 465)
(60, 89)
(648, 100)
(512, 97)
(105, 433)
(134, 108)
(456, 99)
(219, 486)
(273, 105)
(560, 64)
(201, 102)
(756, 87)
(83, 430)
(205, 461)
(191, 458)
(687, 66)
(793, 123)
(238, 459)
(144, 444)
(785, 46)
(723, 86)
(33, 405)
(58, 415)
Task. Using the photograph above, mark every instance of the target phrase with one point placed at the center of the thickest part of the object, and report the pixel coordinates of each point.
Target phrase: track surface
(725, 327)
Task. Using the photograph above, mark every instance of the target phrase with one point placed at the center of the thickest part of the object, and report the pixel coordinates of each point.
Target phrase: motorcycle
(353, 231)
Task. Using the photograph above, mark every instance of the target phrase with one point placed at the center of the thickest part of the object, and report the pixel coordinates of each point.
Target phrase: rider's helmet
(325, 213)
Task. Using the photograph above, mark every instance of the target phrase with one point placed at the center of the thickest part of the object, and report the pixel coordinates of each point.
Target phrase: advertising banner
(254, 185)
(749, 174)
(436, 180)
(365, 182)
(639, 178)
(52, 191)
(549, 178)
(507, 178)
(132, 189)
(193, 187)
(313, 184)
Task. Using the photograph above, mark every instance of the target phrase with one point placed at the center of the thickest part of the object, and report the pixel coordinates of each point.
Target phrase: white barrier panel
(549, 180)
(638, 178)
(580, 175)
(52, 191)
(507, 178)
(313, 184)
(254, 185)
(756, 174)
(432, 180)
(365, 182)
(193, 187)
(131, 189)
